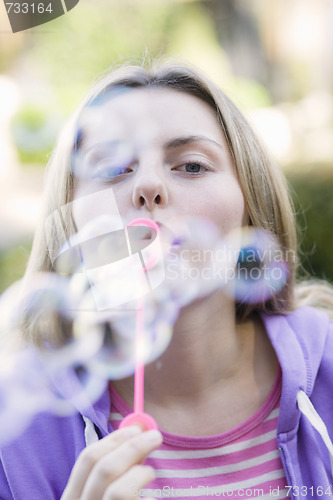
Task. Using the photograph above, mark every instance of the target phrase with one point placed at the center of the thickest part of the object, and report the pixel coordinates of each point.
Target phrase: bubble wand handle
(139, 367)
(138, 417)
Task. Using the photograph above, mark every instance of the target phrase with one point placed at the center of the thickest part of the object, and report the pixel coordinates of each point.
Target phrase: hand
(111, 469)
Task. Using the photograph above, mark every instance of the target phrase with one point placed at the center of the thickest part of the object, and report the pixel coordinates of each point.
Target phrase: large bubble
(95, 157)
(32, 369)
(261, 270)
(119, 285)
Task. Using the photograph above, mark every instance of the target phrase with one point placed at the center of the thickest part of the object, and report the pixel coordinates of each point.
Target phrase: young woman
(241, 395)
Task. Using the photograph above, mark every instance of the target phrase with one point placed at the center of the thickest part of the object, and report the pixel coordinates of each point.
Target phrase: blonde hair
(262, 182)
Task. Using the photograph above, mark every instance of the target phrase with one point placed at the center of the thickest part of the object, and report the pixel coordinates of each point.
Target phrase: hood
(68, 386)
(299, 341)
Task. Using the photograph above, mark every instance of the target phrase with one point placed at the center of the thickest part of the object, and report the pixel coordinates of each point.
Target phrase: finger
(91, 455)
(116, 463)
(128, 486)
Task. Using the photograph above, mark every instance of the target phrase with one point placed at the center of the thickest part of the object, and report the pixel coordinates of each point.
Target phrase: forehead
(150, 115)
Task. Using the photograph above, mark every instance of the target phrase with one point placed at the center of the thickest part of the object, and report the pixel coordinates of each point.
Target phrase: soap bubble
(100, 241)
(106, 161)
(200, 260)
(22, 392)
(44, 299)
(119, 289)
(261, 270)
(97, 216)
(117, 357)
(121, 263)
(28, 386)
(95, 157)
(45, 303)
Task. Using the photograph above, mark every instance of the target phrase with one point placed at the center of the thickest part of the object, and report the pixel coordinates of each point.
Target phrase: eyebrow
(98, 145)
(173, 143)
(183, 141)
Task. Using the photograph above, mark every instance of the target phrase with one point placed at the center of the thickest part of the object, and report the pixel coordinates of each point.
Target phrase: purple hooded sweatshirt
(37, 465)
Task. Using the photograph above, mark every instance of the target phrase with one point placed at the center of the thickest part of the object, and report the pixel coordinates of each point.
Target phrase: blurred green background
(273, 58)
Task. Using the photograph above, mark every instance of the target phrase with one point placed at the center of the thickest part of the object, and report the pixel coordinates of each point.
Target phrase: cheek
(225, 207)
(90, 204)
(235, 208)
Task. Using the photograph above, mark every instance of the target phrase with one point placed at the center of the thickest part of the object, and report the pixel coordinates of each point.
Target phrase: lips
(142, 229)
(140, 233)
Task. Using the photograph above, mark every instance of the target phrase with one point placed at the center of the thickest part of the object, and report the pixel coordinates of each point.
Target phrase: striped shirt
(241, 463)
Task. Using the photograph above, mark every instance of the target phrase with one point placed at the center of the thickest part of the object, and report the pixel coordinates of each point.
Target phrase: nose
(150, 191)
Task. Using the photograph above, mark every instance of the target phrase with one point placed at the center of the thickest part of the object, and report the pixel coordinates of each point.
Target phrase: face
(165, 157)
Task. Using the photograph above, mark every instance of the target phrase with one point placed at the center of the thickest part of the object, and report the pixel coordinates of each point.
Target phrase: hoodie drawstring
(90, 434)
(308, 410)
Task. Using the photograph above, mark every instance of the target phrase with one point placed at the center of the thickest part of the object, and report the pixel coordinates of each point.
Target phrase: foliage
(34, 132)
(94, 36)
(31, 117)
(13, 262)
(88, 40)
(312, 194)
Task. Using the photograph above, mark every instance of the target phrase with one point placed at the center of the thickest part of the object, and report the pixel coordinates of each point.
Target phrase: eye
(106, 171)
(193, 167)
(105, 162)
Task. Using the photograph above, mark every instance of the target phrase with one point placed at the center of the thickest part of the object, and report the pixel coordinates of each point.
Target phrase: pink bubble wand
(139, 417)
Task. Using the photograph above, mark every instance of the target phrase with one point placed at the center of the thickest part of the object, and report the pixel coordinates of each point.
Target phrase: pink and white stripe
(241, 463)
